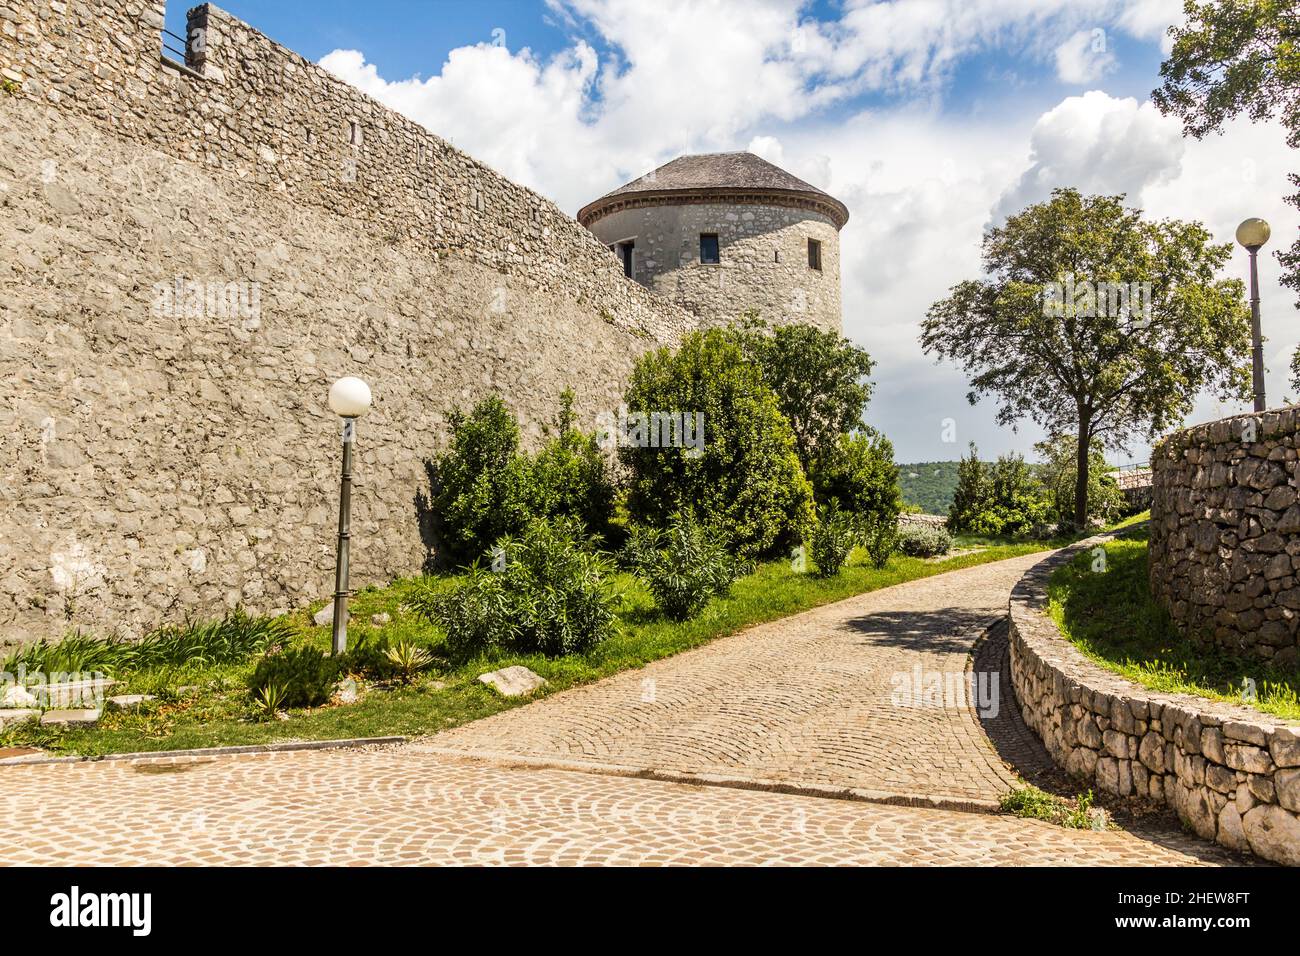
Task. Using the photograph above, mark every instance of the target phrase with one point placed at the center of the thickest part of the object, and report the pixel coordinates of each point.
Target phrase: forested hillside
(929, 485)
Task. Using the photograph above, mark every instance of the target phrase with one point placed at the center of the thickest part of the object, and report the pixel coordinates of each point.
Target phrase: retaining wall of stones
(1225, 553)
(189, 255)
(1231, 773)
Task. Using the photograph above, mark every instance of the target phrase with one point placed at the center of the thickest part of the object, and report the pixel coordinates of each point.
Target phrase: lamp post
(1252, 234)
(349, 399)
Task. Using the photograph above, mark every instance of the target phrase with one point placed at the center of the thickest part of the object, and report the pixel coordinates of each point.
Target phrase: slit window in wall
(354, 133)
(776, 255)
(626, 255)
(419, 152)
(814, 255)
(709, 247)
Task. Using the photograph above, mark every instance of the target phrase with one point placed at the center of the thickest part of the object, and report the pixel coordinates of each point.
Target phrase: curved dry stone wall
(1232, 774)
(189, 256)
(1225, 553)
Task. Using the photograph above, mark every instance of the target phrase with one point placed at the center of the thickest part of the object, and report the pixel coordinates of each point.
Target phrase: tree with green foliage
(1235, 57)
(1088, 363)
(820, 381)
(971, 492)
(1059, 473)
(859, 476)
(746, 479)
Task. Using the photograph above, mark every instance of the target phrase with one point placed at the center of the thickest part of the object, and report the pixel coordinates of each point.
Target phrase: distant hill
(929, 485)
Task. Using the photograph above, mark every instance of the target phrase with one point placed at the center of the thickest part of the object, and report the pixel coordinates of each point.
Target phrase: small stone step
(17, 715)
(70, 718)
(128, 701)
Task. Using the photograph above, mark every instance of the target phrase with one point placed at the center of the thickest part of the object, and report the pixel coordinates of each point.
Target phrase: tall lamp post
(1252, 234)
(349, 399)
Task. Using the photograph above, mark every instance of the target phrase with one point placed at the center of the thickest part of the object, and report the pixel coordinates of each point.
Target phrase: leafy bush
(1004, 500)
(551, 597)
(880, 536)
(367, 657)
(570, 476)
(304, 676)
(746, 480)
(684, 565)
(482, 481)
(859, 476)
(923, 541)
(487, 489)
(832, 542)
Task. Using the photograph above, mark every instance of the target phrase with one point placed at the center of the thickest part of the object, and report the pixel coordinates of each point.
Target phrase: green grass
(219, 711)
(1035, 804)
(1111, 617)
(962, 541)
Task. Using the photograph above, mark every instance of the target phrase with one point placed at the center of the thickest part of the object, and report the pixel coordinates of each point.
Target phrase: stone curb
(1232, 774)
(933, 802)
(211, 751)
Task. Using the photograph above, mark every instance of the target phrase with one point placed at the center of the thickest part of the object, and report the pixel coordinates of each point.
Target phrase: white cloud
(1100, 144)
(1084, 57)
(689, 76)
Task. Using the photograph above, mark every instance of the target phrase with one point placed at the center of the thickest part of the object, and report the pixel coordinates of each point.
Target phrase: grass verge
(207, 705)
(1111, 617)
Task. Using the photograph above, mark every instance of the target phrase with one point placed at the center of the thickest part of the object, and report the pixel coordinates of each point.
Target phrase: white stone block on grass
(513, 681)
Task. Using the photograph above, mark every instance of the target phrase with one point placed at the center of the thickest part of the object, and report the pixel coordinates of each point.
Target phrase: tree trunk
(1081, 474)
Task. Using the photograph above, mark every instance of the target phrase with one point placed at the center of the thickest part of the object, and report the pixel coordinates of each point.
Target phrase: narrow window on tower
(625, 253)
(814, 255)
(709, 247)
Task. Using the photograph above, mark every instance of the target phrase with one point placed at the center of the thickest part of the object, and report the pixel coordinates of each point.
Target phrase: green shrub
(859, 476)
(408, 659)
(570, 475)
(367, 657)
(475, 613)
(832, 542)
(880, 537)
(481, 480)
(486, 489)
(551, 597)
(684, 565)
(1002, 500)
(923, 541)
(746, 480)
(305, 676)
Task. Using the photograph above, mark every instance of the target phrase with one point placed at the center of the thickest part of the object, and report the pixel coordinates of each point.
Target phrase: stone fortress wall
(1231, 773)
(189, 255)
(1225, 533)
(763, 258)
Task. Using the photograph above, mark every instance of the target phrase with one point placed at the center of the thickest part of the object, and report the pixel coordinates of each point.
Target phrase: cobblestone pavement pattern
(803, 702)
(401, 806)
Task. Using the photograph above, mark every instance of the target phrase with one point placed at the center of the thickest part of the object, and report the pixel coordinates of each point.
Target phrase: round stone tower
(722, 234)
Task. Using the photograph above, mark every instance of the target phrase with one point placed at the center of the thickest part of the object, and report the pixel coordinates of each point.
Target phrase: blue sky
(928, 118)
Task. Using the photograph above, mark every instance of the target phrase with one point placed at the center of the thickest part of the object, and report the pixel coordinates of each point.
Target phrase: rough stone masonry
(1225, 552)
(189, 255)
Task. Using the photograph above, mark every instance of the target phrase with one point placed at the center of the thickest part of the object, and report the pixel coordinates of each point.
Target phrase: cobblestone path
(398, 805)
(784, 714)
(808, 701)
